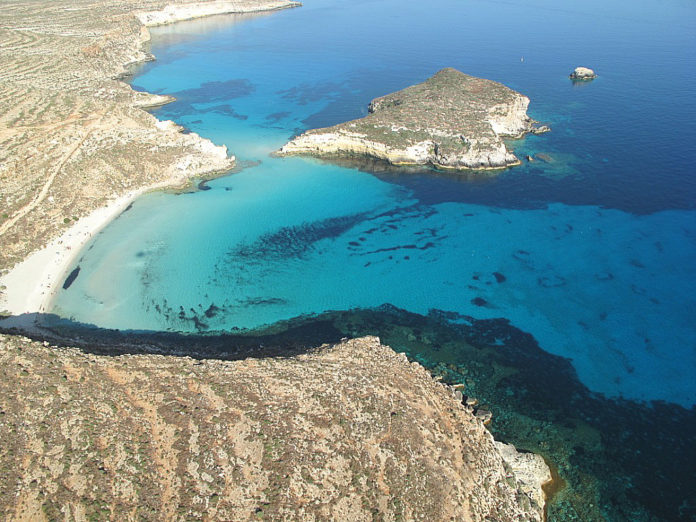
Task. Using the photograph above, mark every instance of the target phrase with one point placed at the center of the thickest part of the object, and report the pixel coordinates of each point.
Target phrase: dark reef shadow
(284, 339)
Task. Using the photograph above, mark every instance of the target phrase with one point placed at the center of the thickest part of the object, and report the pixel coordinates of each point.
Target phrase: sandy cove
(86, 176)
(31, 285)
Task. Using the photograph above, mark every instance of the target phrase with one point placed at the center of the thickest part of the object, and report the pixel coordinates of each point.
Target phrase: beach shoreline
(31, 285)
(28, 287)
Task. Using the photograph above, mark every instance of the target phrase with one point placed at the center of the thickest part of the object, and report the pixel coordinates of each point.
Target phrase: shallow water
(592, 252)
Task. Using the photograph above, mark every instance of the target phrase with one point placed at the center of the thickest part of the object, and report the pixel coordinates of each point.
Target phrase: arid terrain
(349, 432)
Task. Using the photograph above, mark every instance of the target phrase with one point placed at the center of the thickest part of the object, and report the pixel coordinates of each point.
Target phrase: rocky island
(583, 74)
(450, 121)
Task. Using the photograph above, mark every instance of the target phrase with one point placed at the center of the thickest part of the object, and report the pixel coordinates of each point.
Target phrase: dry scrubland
(349, 432)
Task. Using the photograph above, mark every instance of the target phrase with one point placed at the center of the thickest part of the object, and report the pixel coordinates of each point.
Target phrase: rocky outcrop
(583, 74)
(452, 121)
(529, 469)
(176, 13)
(352, 431)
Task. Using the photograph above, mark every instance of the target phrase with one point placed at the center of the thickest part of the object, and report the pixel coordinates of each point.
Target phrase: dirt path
(23, 211)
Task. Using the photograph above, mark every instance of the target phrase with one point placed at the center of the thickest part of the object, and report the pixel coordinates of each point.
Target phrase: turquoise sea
(561, 292)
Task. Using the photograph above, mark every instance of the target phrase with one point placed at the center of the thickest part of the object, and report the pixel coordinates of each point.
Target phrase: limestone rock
(583, 73)
(529, 468)
(451, 120)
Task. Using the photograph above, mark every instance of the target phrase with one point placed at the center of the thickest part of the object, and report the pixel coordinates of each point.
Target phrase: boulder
(583, 74)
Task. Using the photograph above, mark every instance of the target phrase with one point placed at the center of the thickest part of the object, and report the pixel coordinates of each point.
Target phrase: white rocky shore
(451, 121)
(176, 13)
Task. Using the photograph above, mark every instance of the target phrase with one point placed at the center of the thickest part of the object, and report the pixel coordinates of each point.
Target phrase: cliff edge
(352, 431)
(452, 121)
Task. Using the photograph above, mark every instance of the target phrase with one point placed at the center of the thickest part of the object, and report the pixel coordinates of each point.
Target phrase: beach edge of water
(30, 285)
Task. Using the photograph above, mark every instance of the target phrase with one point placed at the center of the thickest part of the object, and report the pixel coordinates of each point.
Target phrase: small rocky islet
(583, 74)
(450, 121)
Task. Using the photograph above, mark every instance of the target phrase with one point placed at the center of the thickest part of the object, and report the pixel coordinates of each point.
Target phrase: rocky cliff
(451, 120)
(351, 431)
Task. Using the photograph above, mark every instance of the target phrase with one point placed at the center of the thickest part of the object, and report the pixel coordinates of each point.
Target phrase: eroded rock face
(352, 431)
(583, 73)
(530, 470)
(452, 120)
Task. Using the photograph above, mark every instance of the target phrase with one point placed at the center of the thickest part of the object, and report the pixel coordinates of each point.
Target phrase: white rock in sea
(583, 73)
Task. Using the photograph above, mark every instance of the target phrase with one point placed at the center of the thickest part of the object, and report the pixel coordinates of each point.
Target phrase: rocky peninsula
(450, 121)
(345, 432)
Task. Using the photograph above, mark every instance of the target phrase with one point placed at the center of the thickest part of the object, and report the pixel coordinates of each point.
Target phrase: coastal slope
(351, 431)
(452, 121)
(73, 136)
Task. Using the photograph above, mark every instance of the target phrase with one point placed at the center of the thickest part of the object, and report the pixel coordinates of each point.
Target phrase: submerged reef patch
(293, 241)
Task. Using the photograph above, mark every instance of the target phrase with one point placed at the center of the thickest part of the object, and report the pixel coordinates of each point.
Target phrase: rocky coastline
(451, 121)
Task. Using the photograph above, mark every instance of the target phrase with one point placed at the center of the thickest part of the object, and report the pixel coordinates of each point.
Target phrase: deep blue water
(592, 252)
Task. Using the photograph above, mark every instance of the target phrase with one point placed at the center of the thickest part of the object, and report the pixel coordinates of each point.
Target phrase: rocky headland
(351, 431)
(450, 121)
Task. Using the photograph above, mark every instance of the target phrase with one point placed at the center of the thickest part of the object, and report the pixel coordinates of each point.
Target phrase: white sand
(31, 284)
(177, 13)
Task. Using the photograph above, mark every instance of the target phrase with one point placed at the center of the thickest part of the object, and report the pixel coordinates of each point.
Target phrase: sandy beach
(102, 154)
(30, 286)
